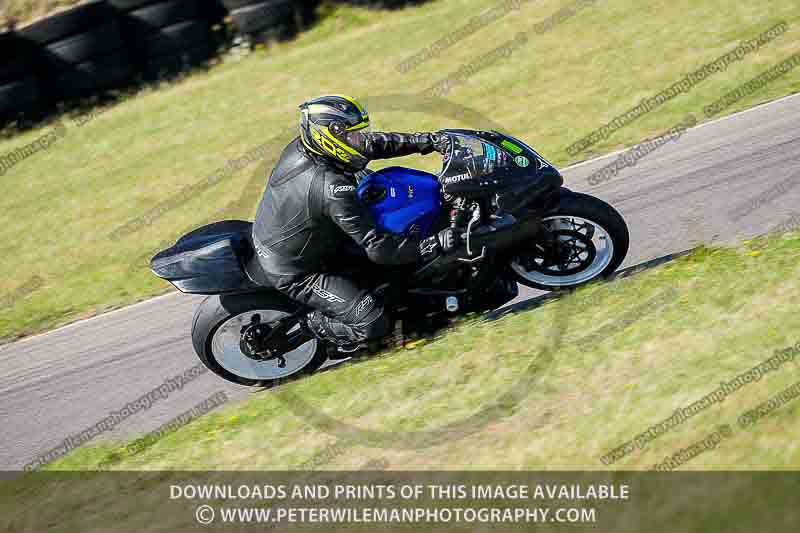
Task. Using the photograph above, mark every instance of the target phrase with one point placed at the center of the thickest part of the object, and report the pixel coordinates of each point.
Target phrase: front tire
(216, 332)
(583, 239)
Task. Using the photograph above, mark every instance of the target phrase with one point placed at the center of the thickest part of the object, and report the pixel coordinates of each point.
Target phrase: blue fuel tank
(399, 198)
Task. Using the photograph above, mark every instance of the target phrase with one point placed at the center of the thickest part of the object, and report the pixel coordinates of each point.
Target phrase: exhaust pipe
(504, 233)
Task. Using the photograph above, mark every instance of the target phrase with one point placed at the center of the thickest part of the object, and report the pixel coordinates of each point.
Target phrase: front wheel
(284, 348)
(582, 240)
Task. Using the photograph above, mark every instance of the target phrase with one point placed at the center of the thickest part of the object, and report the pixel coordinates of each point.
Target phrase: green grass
(61, 205)
(630, 352)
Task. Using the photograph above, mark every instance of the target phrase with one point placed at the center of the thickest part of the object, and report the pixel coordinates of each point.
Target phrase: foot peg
(350, 348)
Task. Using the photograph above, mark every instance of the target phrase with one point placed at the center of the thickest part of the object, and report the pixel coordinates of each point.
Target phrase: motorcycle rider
(309, 210)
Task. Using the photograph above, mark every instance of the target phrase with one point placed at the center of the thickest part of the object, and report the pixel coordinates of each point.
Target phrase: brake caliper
(256, 341)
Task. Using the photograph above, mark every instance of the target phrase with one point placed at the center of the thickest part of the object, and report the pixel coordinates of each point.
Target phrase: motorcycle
(516, 222)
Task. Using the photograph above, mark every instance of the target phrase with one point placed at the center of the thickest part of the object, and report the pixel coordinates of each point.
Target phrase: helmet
(321, 116)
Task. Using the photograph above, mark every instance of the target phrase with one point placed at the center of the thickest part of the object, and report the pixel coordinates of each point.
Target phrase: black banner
(617, 502)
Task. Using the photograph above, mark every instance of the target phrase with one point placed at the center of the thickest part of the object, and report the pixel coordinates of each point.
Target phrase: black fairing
(515, 187)
(209, 260)
(523, 192)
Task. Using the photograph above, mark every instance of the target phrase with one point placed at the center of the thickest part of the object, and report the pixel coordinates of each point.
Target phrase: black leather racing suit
(308, 213)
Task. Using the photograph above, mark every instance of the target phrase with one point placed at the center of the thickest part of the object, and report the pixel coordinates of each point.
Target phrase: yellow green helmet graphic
(318, 114)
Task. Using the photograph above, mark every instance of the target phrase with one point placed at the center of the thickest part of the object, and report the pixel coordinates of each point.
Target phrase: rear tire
(603, 251)
(218, 320)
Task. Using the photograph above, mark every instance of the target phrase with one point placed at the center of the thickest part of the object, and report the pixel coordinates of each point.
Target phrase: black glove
(441, 142)
(443, 242)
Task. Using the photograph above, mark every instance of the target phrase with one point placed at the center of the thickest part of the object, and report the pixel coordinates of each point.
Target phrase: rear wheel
(283, 349)
(582, 240)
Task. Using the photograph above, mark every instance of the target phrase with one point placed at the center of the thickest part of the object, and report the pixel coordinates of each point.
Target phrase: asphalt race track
(62, 382)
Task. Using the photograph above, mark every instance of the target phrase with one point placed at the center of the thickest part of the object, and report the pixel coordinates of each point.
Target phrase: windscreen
(470, 158)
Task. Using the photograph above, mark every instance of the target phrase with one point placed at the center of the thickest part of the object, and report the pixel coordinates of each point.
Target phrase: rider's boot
(335, 333)
(332, 332)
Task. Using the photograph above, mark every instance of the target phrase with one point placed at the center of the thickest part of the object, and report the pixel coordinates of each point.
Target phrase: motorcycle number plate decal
(522, 161)
(508, 145)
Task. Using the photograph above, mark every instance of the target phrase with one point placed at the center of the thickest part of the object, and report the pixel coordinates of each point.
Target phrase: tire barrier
(166, 36)
(64, 24)
(19, 89)
(266, 20)
(79, 52)
(153, 17)
(103, 45)
(18, 99)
